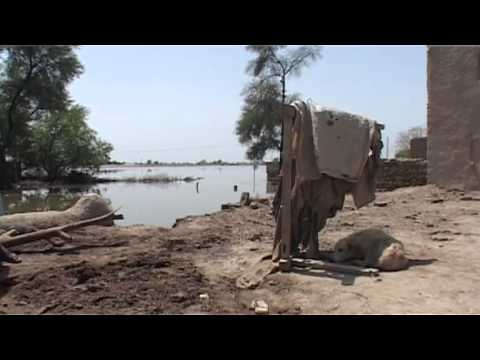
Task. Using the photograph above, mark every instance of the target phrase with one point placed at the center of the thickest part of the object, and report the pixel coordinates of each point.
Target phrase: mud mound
(140, 284)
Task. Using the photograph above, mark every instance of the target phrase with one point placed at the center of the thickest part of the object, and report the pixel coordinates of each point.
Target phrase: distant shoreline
(35, 184)
(133, 165)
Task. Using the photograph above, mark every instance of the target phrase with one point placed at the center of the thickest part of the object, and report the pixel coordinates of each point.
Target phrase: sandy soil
(148, 270)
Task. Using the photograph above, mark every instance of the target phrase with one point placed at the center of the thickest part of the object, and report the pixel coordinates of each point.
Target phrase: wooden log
(87, 207)
(56, 242)
(334, 267)
(64, 235)
(8, 234)
(11, 241)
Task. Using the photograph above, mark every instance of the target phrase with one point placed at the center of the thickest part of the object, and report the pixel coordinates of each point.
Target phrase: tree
(260, 124)
(403, 140)
(33, 81)
(63, 141)
(405, 153)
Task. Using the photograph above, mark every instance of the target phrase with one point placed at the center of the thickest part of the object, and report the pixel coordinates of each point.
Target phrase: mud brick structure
(392, 174)
(418, 148)
(453, 149)
(398, 173)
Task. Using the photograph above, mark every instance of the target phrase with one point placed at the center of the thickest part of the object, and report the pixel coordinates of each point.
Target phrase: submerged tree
(33, 82)
(63, 141)
(259, 126)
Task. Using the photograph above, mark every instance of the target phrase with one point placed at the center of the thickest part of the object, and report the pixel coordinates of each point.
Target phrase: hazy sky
(180, 103)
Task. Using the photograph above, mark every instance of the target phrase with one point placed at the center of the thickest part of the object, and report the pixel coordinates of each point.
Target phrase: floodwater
(151, 204)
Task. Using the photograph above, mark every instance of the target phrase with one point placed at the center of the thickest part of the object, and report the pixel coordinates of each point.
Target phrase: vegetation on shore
(260, 124)
(153, 179)
(187, 163)
(402, 145)
(40, 126)
(80, 180)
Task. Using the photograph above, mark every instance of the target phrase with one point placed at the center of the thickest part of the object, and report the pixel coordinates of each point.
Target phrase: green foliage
(63, 141)
(281, 60)
(259, 126)
(403, 140)
(402, 154)
(33, 81)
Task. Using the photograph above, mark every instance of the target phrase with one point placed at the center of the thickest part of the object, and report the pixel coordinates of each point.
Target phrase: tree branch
(298, 61)
(17, 95)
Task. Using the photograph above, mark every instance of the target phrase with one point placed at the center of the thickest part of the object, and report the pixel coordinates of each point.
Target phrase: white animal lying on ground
(371, 248)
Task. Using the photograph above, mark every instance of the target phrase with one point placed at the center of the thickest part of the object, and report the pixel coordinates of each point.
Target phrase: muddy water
(151, 204)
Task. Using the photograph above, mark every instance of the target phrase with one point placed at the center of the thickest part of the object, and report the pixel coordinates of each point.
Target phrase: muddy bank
(151, 270)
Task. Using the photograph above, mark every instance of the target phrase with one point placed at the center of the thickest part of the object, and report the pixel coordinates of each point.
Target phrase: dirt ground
(148, 270)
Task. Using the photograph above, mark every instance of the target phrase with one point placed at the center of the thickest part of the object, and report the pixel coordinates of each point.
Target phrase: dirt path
(147, 270)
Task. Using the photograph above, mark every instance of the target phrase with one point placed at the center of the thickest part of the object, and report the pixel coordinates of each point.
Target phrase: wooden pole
(334, 267)
(388, 147)
(285, 263)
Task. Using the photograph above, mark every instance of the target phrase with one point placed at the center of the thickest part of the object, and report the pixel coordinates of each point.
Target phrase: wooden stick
(11, 241)
(322, 265)
(286, 202)
(56, 243)
(8, 233)
(63, 235)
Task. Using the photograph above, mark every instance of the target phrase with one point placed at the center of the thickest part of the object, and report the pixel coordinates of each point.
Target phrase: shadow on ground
(349, 279)
(6, 282)
(420, 262)
(346, 279)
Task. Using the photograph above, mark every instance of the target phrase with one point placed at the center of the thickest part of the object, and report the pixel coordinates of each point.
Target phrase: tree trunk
(11, 136)
(5, 171)
(17, 170)
(3, 155)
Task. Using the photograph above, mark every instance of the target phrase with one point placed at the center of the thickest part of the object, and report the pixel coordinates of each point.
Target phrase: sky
(181, 103)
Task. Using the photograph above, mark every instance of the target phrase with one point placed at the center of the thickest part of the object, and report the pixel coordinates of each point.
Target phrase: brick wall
(398, 173)
(391, 175)
(453, 82)
(273, 179)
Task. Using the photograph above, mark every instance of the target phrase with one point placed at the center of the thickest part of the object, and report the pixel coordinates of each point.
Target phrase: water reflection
(41, 199)
(149, 203)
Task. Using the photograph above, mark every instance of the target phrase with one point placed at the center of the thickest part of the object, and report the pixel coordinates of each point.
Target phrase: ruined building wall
(392, 174)
(418, 148)
(453, 149)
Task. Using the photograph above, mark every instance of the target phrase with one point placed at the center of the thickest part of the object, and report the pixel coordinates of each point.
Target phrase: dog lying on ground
(371, 248)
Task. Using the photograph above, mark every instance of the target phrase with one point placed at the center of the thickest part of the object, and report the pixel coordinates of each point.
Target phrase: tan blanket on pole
(336, 144)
